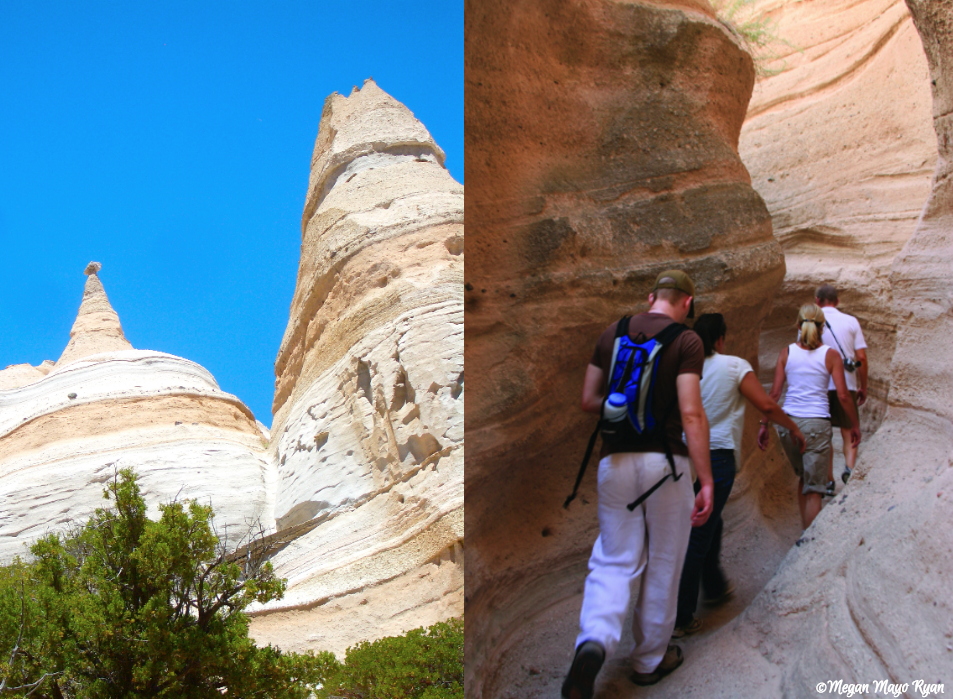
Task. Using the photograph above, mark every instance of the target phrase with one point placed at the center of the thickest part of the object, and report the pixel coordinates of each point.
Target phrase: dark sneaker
(845, 476)
(582, 675)
(830, 489)
(670, 661)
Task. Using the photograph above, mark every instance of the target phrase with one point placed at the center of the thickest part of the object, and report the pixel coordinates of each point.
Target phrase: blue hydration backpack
(627, 416)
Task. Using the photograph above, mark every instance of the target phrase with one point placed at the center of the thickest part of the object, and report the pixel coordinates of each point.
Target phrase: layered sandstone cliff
(838, 142)
(601, 149)
(361, 488)
(368, 427)
(65, 430)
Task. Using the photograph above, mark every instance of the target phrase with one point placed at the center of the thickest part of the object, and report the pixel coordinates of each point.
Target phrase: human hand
(703, 504)
(855, 435)
(861, 396)
(799, 440)
(763, 437)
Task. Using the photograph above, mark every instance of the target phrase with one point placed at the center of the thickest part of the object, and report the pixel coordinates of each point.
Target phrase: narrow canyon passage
(582, 186)
(761, 525)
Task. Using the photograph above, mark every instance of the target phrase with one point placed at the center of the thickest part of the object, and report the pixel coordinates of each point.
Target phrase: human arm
(835, 365)
(593, 390)
(861, 376)
(695, 425)
(752, 390)
(774, 395)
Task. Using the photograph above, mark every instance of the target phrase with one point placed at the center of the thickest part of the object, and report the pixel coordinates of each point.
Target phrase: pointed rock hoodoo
(64, 429)
(368, 409)
(96, 328)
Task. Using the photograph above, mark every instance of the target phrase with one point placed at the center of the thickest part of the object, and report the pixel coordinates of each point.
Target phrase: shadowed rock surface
(601, 149)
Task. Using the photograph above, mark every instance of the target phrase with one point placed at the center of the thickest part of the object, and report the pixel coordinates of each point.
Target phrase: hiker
(641, 550)
(843, 333)
(726, 382)
(808, 366)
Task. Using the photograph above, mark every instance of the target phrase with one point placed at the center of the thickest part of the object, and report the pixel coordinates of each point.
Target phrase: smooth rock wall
(838, 142)
(368, 427)
(865, 597)
(601, 149)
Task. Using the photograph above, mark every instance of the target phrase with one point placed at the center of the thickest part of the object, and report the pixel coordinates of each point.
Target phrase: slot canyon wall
(865, 597)
(359, 484)
(601, 146)
(838, 142)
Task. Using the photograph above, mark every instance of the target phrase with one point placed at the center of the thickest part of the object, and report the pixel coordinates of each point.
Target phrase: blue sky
(171, 141)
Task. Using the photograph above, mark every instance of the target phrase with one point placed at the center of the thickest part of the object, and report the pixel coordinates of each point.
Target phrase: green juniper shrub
(125, 607)
(422, 664)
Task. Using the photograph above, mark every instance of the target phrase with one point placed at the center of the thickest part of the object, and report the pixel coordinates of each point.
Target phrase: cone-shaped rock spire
(97, 328)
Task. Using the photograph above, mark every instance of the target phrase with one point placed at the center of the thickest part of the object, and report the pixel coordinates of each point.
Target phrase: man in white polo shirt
(843, 333)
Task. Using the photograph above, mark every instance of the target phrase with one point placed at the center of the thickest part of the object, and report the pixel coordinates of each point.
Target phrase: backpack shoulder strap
(621, 329)
(670, 332)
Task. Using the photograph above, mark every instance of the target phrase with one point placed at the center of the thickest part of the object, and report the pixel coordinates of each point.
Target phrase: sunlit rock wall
(838, 142)
(865, 597)
(64, 432)
(601, 149)
(368, 427)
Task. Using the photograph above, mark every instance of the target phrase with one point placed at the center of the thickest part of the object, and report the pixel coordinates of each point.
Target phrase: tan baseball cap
(677, 279)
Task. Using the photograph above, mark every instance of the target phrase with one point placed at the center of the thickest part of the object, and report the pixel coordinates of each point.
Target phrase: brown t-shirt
(685, 355)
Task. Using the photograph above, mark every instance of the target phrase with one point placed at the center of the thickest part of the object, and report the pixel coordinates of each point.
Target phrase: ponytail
(810, 321)
(710, 327)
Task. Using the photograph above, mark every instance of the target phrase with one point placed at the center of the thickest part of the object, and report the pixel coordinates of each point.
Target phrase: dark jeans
(704, 546)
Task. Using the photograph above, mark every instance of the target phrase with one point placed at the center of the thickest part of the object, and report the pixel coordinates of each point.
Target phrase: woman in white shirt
(807, 366)
(726, 382)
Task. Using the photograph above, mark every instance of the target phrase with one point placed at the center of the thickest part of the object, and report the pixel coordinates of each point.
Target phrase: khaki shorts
(811, 466)
(839, 418)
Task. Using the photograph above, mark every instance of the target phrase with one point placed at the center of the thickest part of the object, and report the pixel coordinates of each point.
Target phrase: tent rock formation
(368, 429)
(361, 486)
(66, 429)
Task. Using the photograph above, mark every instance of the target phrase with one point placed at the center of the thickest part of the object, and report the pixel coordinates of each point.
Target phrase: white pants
(649, 542)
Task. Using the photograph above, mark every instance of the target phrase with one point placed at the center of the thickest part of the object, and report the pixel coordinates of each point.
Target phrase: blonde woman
(808, 365)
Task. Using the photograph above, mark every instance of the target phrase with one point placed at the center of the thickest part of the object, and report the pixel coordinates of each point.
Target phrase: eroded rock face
(601, 149)
(368, 428)
(866, 594)
(838, 142)
(97, 328)
(106, 406)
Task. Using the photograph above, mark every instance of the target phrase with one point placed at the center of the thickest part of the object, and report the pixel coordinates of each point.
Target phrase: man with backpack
(651, 365)
(843, 333)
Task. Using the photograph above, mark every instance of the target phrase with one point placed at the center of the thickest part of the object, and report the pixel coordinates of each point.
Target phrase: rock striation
(601, 149)
(369, 391)
(838, 142)
(65, 430)
(866, 593)
(97, 328)
(359, 483)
